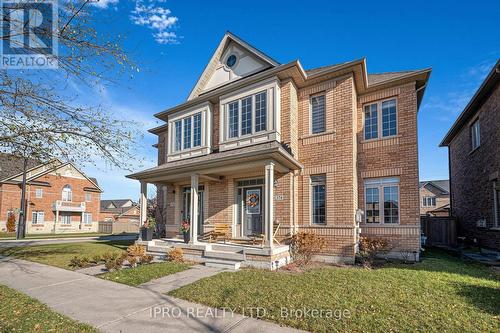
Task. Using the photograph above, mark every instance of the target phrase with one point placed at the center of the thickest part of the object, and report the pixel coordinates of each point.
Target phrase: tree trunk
(21, 226)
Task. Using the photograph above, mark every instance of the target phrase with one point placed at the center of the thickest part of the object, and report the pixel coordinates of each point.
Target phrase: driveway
(114, 307)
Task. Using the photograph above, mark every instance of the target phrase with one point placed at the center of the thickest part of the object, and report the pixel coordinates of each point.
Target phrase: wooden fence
(110, 227)
(439, 230)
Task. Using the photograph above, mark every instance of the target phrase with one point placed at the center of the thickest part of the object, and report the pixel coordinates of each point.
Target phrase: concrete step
(158, 249)
(224, 255)
(224, 264)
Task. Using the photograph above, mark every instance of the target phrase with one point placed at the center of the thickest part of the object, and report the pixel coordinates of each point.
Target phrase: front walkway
(114, 307)
(63, 240)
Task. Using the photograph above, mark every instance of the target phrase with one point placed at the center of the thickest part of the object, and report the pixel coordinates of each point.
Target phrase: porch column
(194, 208)
(269, 202)
(143, 204)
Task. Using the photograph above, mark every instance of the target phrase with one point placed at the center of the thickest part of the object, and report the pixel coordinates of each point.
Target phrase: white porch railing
(68, 206)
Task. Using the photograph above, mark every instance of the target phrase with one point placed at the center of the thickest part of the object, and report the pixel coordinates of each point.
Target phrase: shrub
(146, 259)
(110, 264)
(76, 262)
(109, 256)
(176, 255)
(136, 250)
(304, 245)
(132, 261)
(370, 248)
(11, 223)
(96, 259)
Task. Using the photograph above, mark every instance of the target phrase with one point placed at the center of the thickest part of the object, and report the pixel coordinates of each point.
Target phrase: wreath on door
(252, 200)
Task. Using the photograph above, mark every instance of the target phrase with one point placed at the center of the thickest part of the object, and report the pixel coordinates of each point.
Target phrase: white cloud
(103, 4)
(157, 18)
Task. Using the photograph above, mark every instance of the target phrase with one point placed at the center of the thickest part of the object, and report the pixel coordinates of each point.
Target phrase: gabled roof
(117, 203)
(210, 68)
(481, 95)
(11, 165)
(442, 186)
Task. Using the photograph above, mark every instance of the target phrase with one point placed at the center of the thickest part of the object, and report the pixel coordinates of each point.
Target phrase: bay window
(380, 127)
(251, 119)
(382, 200)
(260, 111)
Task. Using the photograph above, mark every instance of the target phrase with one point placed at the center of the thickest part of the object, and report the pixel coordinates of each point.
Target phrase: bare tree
(38, 122)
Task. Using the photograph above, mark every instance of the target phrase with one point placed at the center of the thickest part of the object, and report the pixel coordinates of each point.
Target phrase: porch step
(158, 248)
(224, 264)
(225, 255)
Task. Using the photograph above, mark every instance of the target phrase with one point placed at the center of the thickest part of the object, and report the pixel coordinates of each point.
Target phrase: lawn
(20, 313)
(440, 294)
(12, 235)
(144, 273)
(59, 255)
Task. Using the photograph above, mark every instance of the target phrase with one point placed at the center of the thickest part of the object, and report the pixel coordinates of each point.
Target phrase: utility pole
(21, 226)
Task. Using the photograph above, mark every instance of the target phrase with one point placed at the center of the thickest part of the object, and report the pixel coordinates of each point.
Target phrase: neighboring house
(123, 213)
(258, 143)
(435, 197)
(60, 198)
(474, 151)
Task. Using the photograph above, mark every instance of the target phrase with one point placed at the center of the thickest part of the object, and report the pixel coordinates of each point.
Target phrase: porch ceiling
(218, 164)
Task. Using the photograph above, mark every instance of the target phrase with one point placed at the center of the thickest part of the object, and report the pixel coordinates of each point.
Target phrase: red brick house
(60, 198)
(123, 213)
(474, 152)
(259, 144)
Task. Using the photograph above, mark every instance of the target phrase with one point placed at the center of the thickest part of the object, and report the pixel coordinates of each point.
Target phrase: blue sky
(460, 42)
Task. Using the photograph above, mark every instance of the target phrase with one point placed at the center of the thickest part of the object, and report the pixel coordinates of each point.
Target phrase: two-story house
(473, 144)
(59, 197)
(435, 197)
(259, 144)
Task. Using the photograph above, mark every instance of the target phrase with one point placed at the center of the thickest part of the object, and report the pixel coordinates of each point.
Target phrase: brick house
(474, 155)
(60, 198)
(259, 144)
(123, 213)
(435, 197)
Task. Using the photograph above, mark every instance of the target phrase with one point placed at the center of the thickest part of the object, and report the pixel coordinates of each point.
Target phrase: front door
(186, 206)
(252, 211)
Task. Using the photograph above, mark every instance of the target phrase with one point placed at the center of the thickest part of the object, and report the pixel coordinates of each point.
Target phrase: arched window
(67, 193)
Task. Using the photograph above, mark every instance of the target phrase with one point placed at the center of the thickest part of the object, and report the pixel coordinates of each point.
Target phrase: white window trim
(273, 116)
(39, 190)
(380, 183)
(311, 200)
(426, 199)
(206, 130)
(89, 196)
(323, 93)
(85, 215)
(472, 136)
(61, 219)
(38, 220)
(380, 130)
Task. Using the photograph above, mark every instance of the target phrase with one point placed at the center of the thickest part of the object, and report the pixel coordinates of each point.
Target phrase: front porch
(236, 205)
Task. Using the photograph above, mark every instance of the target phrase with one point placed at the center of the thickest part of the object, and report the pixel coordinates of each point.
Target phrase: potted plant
(185, 230)
(148, 229)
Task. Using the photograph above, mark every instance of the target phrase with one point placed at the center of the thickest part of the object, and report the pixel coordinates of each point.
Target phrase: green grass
(12, 235)
(20, 313)
(144, 273)
(440, 294)
(59, 255)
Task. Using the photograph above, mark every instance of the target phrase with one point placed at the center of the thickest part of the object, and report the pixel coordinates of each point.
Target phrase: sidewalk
(114, 307)
(44, 241)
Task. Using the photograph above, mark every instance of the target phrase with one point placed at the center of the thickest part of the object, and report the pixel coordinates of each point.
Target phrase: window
(260, 111)
(37, 217)
(88, 197)
(385, 191)
(496, 203)
(67, 194)
(475, 134)
(371, 122)
(178, 135)
(429, 201)
(251, 119)
(246, 116)
(186, 122)
(318, 114)
(376, 127)
(187, 132)
(318, 189)
(233, 119)
(389, 118)
(38, 193)
(87, 218)
(65, 218)
(197, 130)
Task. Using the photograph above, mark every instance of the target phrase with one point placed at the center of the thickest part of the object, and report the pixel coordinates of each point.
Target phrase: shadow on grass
(484, 298)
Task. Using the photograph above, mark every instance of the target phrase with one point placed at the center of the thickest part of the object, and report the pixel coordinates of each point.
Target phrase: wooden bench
(220, 230)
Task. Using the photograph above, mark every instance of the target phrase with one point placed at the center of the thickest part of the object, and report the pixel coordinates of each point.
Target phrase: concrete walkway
(114, 307)
(44, 241)
(174, 281)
